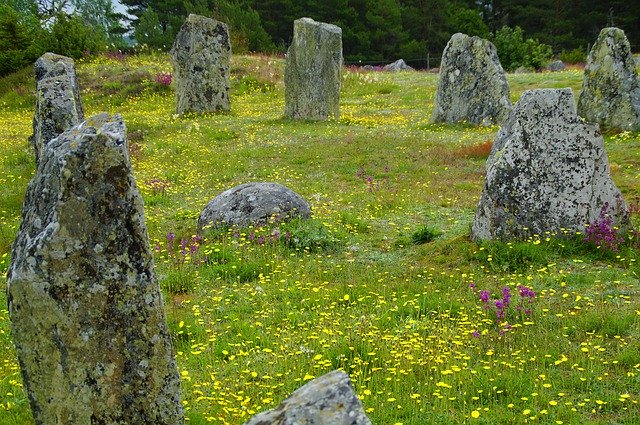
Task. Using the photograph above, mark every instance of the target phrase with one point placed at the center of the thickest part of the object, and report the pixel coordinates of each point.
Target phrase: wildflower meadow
(382, 282)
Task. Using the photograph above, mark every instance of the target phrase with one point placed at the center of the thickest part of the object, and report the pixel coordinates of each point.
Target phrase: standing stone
(556, 66)
(610, 93)
(86, 311)
(312, 72)
(58, 105)
(547, 171)
(472, 85)
(327, 400)
(201, 59)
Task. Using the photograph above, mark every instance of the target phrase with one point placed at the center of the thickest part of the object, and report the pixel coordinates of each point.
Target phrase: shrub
(578, 55)
(514, 51)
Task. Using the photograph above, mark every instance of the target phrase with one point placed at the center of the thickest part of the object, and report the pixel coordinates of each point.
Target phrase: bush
(71, 36)
(515, 52)
(578, 55)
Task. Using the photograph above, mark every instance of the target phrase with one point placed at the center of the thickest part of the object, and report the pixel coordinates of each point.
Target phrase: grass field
(383, 282)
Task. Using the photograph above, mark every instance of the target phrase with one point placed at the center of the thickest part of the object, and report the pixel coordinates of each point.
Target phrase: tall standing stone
(547, 172)
(86, 311)
(312, 72)
(201, 59)
(610, 93)
(472, 85)
(58, 105)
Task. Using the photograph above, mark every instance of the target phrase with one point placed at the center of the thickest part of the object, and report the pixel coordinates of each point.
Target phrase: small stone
(472, 85)
(327, 400)
(86, 311)
(58, 105)
(523, 70)
(313, 70)
(610, 93)
(399, 65)
(556, 66)
(253, 203)
(547, 172)
(201, 59)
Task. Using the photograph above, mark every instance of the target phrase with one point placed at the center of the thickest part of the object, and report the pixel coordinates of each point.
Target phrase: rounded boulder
(253, 203)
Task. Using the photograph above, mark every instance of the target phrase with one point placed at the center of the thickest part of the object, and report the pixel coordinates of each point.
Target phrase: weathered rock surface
(547, 171)
(399, 65)
(610, 93)
(201, 59)
(312, 72)
(253, 203)
(58, 105)
(327, 400)
(472, 85)
(86, 311)
(556, 66)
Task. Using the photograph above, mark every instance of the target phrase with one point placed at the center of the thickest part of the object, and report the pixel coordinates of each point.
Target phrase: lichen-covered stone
(253, 203)
(556, 66)
(399, 65)
(610, 93)
(86, 311)
(327, 400)
(547, 172)
(472, 85)
(201, 59)
(312, 71)
(58, 105)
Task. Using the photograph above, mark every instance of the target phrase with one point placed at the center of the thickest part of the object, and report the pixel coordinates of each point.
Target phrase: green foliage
(514, 51)
(577, 55)
(19, 39)
(425, 234)
(245, 27)
(149, 31)
(71, 36)
(511, 256)
(308, 235)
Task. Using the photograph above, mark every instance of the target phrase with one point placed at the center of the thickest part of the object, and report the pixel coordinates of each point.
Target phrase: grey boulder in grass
(547, 172)
(472, 85)
(201, 59)
(86, 311)
(253, 203)
(327, 400)
(58, 105)
(313, 71)
(610, 93)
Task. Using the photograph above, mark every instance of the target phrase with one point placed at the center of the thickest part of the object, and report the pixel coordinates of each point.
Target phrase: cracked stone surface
(610, 93)
(58, 105)
(472, 85)
(86, 311)
(201, 59)
(547, 171)
(313, 69)
(253, 203)
(327, 400)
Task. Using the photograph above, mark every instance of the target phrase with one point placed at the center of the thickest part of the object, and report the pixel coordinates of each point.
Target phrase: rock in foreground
(313, 70)
(253, 203)
(58, 106)
(86, 311)
(610, 93)
(201, 59)
(472, 85)
(327, 400)
(547, 172)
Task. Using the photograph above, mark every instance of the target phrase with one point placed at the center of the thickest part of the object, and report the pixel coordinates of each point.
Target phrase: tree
(20, 38)
(101, 15)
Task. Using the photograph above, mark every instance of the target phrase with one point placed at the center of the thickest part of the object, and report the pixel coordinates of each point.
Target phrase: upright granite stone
(610, 93)
(472, 85)
(547, 171)
(312, 72)
(58, 105)
(86, 311)
(253, 203)
(201, 59)
(327, 400)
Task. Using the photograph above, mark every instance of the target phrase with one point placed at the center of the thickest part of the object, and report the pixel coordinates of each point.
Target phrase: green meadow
(383, 282)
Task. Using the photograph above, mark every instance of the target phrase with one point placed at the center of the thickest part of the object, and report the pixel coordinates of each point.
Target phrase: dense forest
(374, 31)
